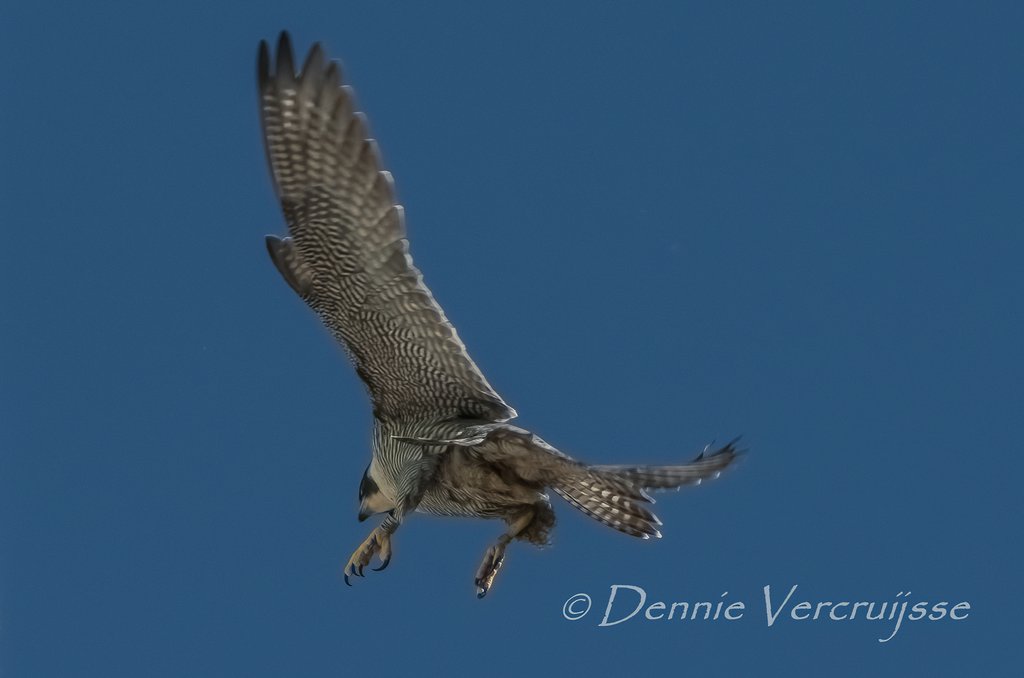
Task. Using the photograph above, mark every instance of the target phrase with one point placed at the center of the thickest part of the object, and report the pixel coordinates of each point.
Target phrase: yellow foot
(378, 543)
(488, 570)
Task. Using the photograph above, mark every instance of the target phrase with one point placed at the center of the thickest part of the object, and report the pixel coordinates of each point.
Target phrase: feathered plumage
(441, 441)
(347, 255)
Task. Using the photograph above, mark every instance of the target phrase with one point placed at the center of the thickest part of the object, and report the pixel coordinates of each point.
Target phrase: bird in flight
(441, 440)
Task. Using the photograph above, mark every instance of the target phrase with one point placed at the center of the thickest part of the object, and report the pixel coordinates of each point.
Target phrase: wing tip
(263, 64)
(286, 260)
(285, 59)
(313, 66)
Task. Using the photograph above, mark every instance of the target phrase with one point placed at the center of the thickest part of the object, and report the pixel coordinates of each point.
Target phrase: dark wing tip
(332, 76)
(263, 63)
(274, 246)
(285, 61)
(288, 264)
(314, 64)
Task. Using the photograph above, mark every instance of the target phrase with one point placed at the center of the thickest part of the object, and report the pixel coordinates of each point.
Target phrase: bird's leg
(413, 481)
(488, 570)
(378, 543)
(495, 555)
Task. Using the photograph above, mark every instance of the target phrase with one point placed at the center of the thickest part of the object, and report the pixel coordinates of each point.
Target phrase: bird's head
(371, 499)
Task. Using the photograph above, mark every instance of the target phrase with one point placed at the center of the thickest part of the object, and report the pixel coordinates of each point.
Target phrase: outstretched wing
(347, 256)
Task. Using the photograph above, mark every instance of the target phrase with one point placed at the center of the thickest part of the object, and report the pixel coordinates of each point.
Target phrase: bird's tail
(617, 497)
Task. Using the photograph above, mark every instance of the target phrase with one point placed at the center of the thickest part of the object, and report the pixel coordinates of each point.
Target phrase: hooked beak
(363, 514)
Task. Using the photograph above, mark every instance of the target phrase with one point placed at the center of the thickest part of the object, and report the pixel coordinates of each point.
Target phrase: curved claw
(488, 570)
(378, 543)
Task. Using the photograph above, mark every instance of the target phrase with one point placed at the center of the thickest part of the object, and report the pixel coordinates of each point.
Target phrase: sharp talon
(375, 545)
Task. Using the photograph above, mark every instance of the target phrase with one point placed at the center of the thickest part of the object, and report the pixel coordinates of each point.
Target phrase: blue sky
(653, 226)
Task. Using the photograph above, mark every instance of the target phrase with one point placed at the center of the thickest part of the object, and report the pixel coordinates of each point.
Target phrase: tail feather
(674, 477)
(616, 511)
(615, 495)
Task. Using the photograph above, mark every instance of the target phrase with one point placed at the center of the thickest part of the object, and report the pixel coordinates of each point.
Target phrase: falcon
(441, 442)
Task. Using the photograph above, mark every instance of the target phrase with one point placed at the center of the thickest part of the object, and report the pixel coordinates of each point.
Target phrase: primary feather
(347, 255)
